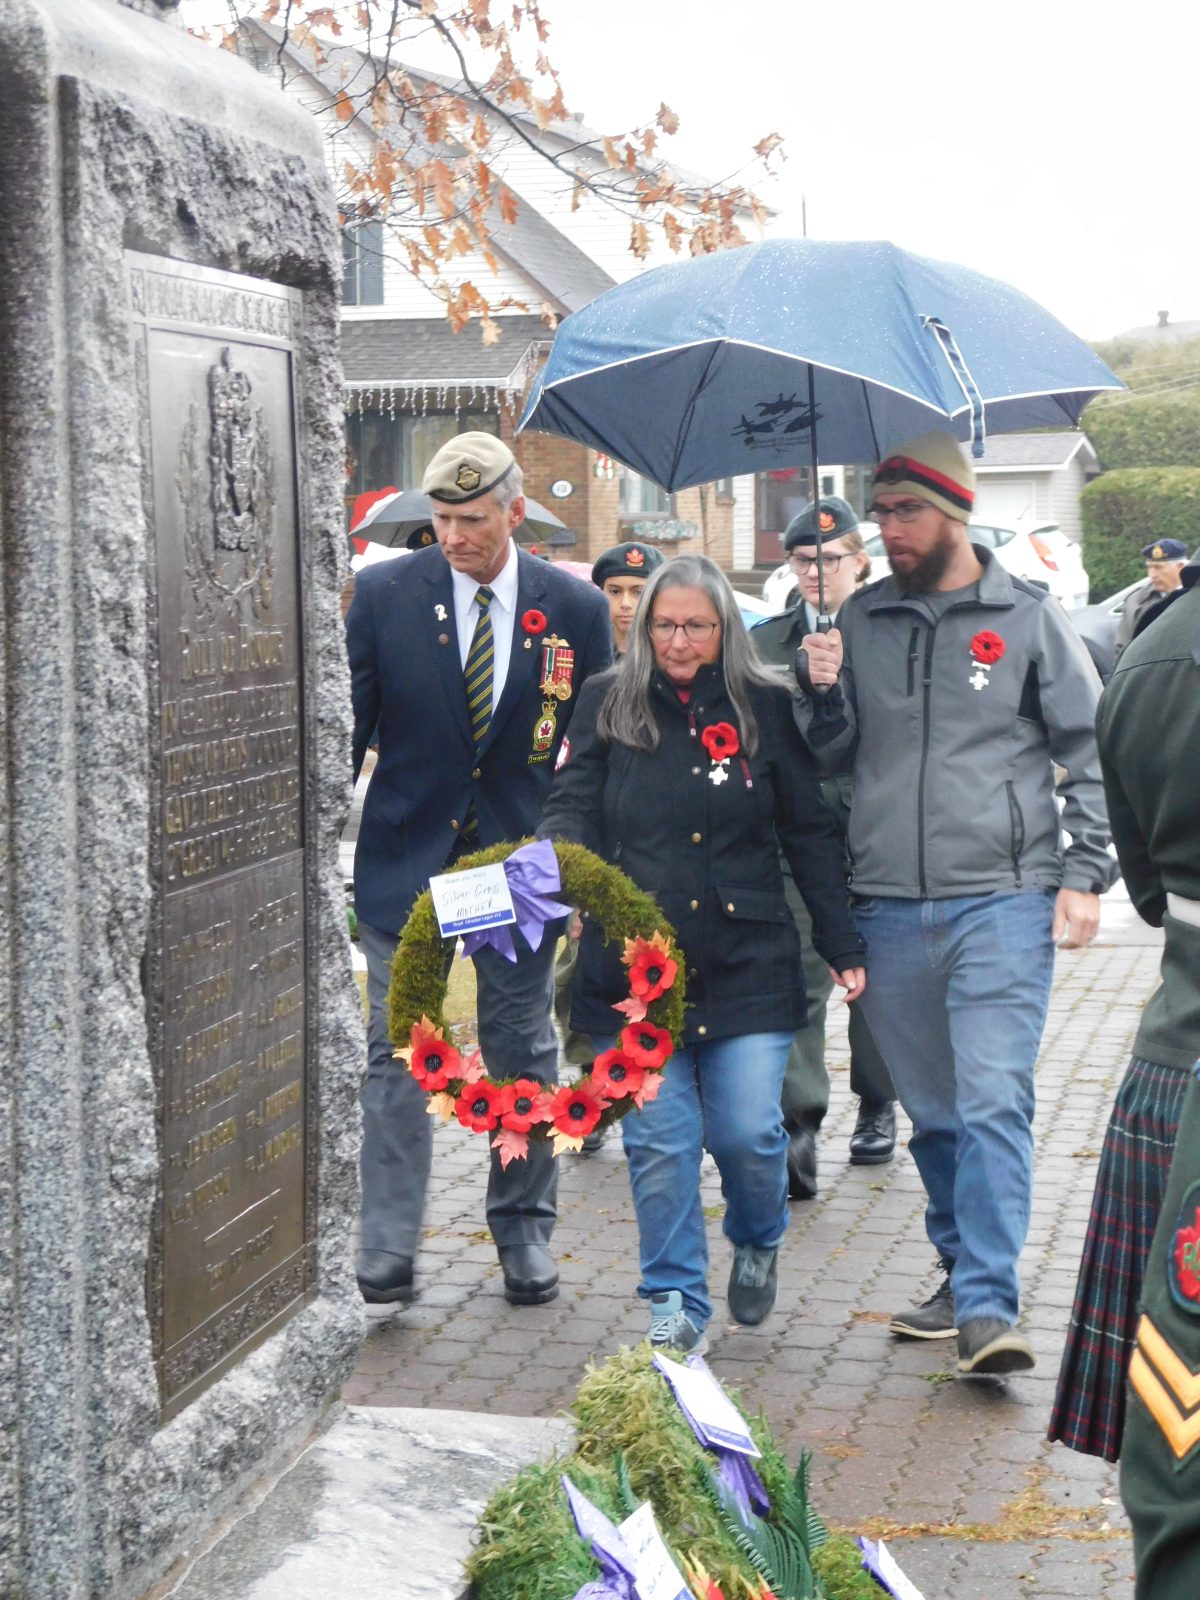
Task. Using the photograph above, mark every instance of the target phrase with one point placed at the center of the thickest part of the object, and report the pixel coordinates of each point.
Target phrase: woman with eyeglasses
(684, 769)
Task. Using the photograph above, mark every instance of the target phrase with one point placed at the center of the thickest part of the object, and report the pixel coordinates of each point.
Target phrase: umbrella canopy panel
(701, 370)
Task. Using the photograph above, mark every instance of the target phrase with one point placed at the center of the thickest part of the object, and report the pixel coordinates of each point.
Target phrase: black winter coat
(709, 854)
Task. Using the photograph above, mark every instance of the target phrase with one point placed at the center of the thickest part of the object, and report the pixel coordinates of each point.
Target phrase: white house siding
(403, 294)
(743, 522)
(598, 229)
(1065, 486)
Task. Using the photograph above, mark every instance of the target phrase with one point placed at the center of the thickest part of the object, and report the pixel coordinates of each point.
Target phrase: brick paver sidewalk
(991, 1511)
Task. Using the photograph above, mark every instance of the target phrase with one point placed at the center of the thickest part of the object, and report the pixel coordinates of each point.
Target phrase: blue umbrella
(753, 358)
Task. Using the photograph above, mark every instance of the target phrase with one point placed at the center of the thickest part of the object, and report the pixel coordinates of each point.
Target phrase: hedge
(1124, 510)
(1157, 431)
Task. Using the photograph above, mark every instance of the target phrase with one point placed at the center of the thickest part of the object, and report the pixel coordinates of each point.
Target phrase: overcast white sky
(1051, 143)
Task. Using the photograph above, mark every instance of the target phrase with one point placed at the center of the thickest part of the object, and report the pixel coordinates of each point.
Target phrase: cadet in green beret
(621, 574)
(806, 1080)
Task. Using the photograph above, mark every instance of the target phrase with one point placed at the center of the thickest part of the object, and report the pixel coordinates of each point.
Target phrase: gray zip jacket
(953, 783)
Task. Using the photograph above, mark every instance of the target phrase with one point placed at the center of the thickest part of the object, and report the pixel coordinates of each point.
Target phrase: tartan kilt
(1089, 1405)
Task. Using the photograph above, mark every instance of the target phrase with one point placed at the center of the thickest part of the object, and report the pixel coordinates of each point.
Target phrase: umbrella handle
(803, 676)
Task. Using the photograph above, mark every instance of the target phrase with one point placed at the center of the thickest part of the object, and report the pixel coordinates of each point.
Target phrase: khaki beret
(470, 465)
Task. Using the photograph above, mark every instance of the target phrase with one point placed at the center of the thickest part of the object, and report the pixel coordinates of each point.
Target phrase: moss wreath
(516, 1110)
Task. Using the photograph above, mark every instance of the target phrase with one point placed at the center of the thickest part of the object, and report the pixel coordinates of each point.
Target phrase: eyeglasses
(906, 511)
(696, 631)
(811, 563)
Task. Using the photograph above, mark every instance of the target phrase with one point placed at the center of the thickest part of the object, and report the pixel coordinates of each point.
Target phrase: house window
(382, 449)
(362, 263)
(642, 498)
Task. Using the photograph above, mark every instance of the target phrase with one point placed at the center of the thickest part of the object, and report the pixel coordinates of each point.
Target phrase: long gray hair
(627, 716)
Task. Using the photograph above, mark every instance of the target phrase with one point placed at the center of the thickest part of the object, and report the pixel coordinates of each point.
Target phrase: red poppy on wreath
(479, 1106)
(720, 740)
(987, 647)
(575, 1110)
(523, 1104)
(614, 1075)
(651, 968)
(435, 1063)
(533, 621)
(646, 1045)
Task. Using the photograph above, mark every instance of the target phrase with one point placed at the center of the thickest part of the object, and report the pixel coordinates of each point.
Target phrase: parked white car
(1039, 552)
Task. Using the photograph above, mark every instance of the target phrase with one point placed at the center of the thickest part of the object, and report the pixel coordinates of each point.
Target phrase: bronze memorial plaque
(227, 990)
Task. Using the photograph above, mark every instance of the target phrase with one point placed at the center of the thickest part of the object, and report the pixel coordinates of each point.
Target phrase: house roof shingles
(399, 352)
(1009, 450)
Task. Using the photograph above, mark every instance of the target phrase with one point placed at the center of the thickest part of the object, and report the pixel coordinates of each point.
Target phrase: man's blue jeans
(723, 1097)
(956, 997)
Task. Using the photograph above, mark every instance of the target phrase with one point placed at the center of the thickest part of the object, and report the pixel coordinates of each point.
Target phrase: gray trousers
(517, 1038)
(805, 1079)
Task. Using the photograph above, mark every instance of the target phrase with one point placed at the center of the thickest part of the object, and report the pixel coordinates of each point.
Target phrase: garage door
(1005, 502)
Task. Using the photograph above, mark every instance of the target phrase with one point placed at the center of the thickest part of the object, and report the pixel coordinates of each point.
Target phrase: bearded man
(949, 690)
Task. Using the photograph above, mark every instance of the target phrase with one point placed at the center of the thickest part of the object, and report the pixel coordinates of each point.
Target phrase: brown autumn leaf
(639, 240)
(766, 146)
(489, 330)
(343, 106)
(666, 119)
(508, 206)
(442, 181)
(325, 17)
(673, 230)
(610, 152)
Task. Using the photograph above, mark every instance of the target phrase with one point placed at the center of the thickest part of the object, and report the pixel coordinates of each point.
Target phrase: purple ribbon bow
(533, 880)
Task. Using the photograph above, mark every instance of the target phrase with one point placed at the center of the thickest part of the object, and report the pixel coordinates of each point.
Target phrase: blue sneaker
(671, 1328)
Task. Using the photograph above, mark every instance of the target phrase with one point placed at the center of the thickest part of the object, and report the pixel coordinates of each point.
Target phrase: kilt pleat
(1089, 1404)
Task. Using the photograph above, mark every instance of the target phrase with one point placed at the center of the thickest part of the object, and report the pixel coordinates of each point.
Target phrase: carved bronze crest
(228, 522)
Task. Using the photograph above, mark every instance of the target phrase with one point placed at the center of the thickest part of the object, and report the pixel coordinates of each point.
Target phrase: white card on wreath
(655, 1573)
(885, 1569)
(707, 1404)
(466, 901)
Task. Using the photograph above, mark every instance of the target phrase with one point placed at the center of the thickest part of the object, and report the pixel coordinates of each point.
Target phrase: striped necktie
(479, 668)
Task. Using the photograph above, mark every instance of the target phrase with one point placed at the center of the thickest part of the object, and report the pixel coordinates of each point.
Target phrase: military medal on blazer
(557, 670)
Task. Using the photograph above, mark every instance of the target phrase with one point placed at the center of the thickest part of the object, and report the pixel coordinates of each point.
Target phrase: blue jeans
(722, 1097)
(956, 996)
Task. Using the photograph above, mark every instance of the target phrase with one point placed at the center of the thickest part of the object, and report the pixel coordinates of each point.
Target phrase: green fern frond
(629, 1500)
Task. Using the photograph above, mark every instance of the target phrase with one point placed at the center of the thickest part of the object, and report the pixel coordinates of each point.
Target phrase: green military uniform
(1160, 1453)
(806, 1080)
(1148, 736)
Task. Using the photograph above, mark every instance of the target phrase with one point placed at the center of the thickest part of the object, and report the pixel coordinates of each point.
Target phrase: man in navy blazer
(449, 781)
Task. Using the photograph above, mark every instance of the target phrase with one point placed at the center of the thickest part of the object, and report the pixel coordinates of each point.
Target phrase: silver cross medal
(979, 677)
(719, 772)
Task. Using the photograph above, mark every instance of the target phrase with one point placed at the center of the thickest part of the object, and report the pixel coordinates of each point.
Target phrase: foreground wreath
(633, 1444)
(516, 1110)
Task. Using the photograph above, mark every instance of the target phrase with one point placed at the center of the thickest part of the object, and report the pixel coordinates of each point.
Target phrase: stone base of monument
(382, 1502)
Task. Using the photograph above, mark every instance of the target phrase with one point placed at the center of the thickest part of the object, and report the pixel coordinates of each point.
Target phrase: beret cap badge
(467, 478)
(634, 558)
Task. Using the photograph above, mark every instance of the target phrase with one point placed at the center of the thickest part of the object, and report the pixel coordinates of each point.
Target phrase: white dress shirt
(503, 612)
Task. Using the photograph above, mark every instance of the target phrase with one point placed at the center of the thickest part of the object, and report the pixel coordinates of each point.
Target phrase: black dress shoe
(384, 1278)
(530, 1276)
(874, 1138)
(802, 1164)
